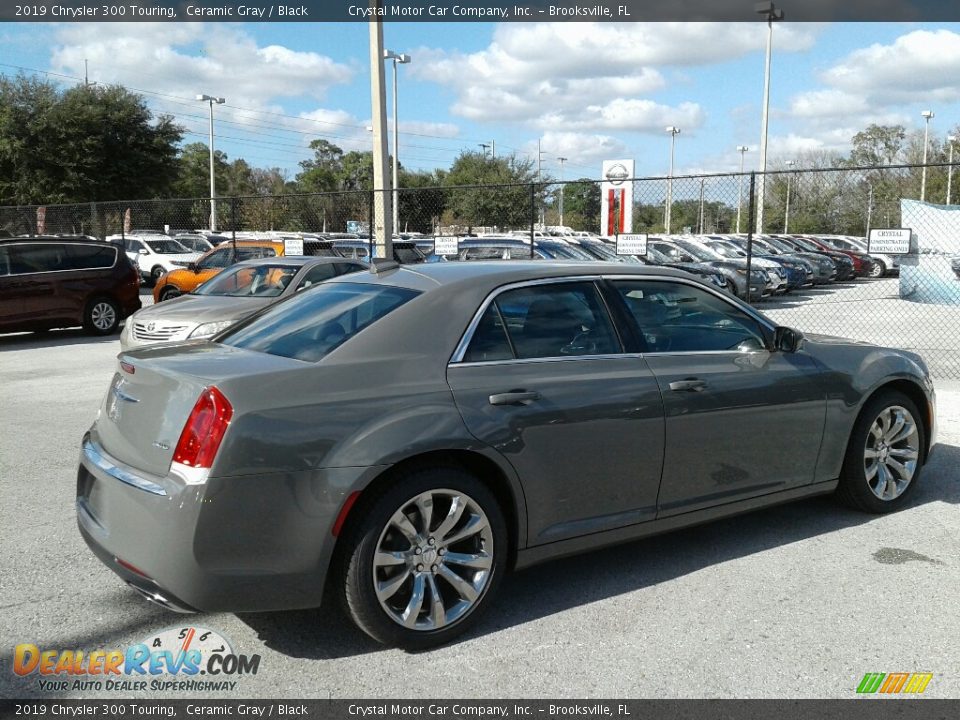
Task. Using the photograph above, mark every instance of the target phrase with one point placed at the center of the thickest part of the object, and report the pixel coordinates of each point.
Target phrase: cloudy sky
(588, 91)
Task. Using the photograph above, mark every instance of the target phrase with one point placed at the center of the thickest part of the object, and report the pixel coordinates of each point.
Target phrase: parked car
(735, 271)
(862, 263)
(883, 264)
(825, 269)
(407, 436)
(844, 264)
(799, 272)
(213, 261)
(228, 296)
(156, 254)
(49, 282)
(198, 242)
(404, 251)
(777, 281)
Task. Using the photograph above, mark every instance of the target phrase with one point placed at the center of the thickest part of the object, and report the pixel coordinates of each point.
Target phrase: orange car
(178, 282)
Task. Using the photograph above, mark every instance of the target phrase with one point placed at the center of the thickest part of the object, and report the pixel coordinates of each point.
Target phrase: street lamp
(771, 12)
(400, 59)
(561, 160)
(213, 182)
(927, 115)
(951, 139)
(786, 212)
(674, 131)
(742, 149)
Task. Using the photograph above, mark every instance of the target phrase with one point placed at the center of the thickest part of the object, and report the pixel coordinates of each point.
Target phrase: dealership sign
(616, 210)
(293, 246)
(632, 244)
(889, 241)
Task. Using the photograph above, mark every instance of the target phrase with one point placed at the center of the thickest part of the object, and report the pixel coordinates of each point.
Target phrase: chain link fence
(804, 217)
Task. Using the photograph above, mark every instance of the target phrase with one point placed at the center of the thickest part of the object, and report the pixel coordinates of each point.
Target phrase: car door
(741, 420)
(544, 380)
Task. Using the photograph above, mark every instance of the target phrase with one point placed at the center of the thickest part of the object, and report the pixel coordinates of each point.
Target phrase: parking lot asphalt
(795, 601)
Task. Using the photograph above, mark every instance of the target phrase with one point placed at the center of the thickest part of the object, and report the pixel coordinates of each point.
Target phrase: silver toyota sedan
(406, 436)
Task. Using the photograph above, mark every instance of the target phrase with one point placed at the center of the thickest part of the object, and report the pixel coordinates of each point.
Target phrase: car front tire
(155, 274)
(424, 558)
(102, 316)
(169, 293)
(878, 269)
(884, 455)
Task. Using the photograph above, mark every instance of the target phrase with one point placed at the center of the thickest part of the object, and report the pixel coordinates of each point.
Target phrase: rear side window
(89, 257)
(312, 324)
(43, 257)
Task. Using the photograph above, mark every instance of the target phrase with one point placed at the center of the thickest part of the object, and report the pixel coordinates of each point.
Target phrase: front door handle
(514, 397)
(688, 385)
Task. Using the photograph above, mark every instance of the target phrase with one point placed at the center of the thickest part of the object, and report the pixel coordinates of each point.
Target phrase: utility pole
(771, 12)
(213, 178)
(86, 76)
(786, 211)
(951, 139)
(561, 160)
(398, 59)
(493, 149)
(484, 146)
(742, 149)
(382, 232)
(700, 226)
(540, 176)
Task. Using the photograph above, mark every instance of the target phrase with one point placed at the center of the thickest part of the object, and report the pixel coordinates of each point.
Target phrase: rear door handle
(688, 385)
(514, 397)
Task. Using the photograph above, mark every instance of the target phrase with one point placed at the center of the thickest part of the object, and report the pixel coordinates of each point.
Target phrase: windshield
(806, 244)
(310, 325)
(564, 251)
(658, 257)
(249, 281)
(780, 245)
(605, 252)
(726, 250)
(166, 247)
(699, 251)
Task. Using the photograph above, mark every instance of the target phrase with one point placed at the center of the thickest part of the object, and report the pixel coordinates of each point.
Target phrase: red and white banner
(41, 220)
(127, 222)
(616, 209)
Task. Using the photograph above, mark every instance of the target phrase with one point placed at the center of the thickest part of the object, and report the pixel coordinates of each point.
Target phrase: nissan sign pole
(616, 205)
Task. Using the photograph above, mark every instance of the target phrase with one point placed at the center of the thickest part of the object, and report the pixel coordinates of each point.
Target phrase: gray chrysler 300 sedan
(410, 434)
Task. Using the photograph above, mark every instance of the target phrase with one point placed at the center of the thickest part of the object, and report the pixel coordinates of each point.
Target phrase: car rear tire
(169, 293)
(424, 558)
(155, 274)
(878, 269)
(883, 460)
(102, 316)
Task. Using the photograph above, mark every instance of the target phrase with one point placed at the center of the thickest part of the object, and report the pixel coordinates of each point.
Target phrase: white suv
(155, 255)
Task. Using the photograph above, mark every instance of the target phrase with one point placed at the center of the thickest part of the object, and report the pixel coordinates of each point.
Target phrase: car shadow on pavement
(54, 338)
(547, 589)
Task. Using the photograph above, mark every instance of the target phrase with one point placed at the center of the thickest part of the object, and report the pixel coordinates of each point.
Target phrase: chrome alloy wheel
(433, 560)
(892, 452)
(103, 316)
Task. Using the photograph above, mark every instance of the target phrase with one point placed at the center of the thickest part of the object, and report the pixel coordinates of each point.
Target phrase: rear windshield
(312, 324)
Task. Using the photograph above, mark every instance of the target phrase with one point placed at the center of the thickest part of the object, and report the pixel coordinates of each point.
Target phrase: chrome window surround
(457, 358)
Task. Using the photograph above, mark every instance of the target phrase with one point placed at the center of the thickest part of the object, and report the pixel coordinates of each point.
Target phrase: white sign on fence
(446, 245)
(889, 241)
(632, 244)
(292, 246)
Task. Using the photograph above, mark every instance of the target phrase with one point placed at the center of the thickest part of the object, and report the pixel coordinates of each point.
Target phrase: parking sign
(632, 244)
(889, 241)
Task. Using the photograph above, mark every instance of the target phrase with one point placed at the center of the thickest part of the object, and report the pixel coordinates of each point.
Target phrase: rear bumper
(241, 544)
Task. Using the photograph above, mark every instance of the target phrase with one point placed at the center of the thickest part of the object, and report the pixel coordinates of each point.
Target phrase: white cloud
(591, 76)
(584, 152)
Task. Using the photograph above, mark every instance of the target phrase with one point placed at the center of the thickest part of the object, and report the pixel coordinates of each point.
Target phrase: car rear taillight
(204, 431)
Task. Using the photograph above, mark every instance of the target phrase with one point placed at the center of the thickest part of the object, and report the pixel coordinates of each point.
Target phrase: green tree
(481, 206)
(321, 173)
(87, 143)
(193, 172)
(581, 205)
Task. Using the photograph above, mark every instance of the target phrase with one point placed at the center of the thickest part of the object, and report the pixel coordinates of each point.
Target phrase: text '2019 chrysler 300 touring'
(407, 435)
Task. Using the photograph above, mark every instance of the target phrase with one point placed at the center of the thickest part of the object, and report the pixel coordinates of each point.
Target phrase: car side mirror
(787, 339)
(193, 267)
(143, 251)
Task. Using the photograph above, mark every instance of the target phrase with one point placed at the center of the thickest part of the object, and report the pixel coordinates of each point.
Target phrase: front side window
(312, 324)
(317, 274)
(217, 259)
(249, 281)
(545, 321)
(676, 317)
(166, 247)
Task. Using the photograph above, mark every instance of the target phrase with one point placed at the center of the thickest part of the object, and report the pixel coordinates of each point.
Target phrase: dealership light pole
(398, 59)
(561, 160)
(771, 12)
(213, 181)
(742, 149)
(927, 115)
(786, 212)
(674, 131)
(951, 139)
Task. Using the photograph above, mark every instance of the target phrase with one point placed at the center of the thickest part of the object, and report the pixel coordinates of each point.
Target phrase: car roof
(55, 238)
(490, 274)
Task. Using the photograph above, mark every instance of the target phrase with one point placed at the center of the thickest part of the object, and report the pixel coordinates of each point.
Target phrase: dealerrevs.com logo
(894, 683)
(191, 659)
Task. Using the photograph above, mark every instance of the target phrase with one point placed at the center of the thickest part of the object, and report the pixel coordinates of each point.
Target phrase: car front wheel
(424, 558)
(169, 293)
(102, 316)
(883, 460)
(878, 269)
